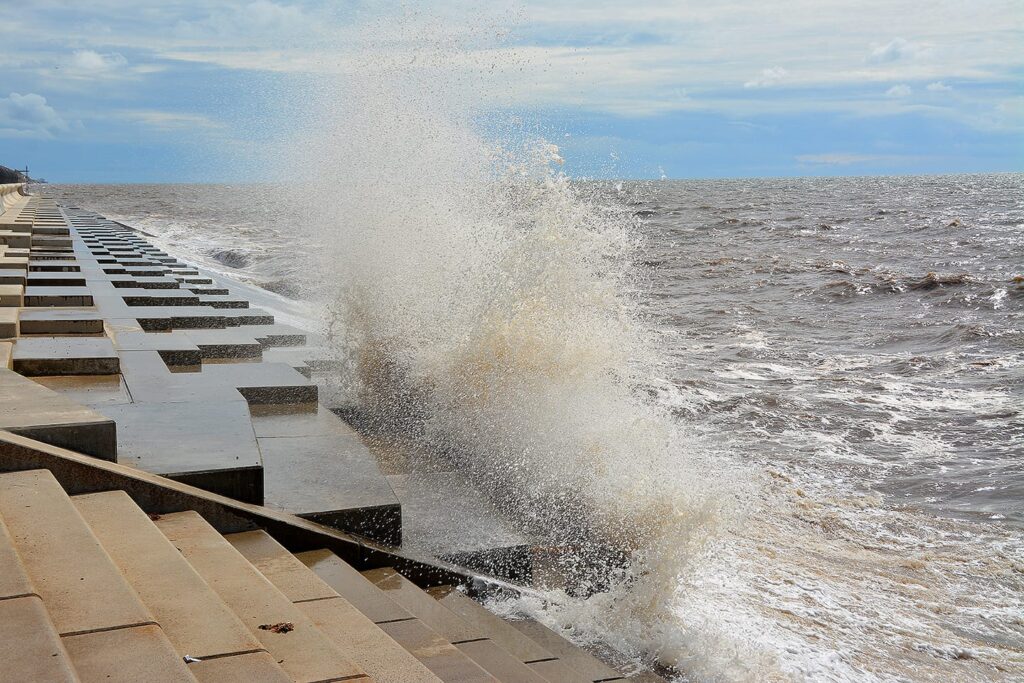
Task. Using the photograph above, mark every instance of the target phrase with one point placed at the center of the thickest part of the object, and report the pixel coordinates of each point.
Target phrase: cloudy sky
(112, 91)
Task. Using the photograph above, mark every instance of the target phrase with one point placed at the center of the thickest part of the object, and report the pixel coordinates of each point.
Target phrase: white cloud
(938, 86)
(896, 50)
(899, 91)
(768, 77)
(648, 58)
(29, 116)
(92, 62)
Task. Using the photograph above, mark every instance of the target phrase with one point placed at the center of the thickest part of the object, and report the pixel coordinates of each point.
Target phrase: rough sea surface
(855, 346)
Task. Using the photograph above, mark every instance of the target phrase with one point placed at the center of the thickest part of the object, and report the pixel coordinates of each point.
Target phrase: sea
(795, 405)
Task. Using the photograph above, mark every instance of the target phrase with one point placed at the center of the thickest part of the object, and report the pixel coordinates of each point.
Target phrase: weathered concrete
(444, 516)
(34, 411)
(74, 576)
(303, 652)
(61, 321)
(65, 356)
(208, 443)
(191, 615)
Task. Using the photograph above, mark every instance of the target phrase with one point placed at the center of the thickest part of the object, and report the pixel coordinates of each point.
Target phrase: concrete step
(251, 667)
(382, 658)
(425, 608)
(126, 655)
(227, 343)
(304, 359)
(65, 356)
(204, 443)
(175, 348)
(9, 322)
(442, 658)
(490, 626)
(30, 648)
(59, 279)
(245, 316)
(347, 582)
(12, 295)
(53, 267)
(58, 296)
(159, 297)
(444, 515)
(570, 657)
(88, 390)
(304, 652)
(82, 588)
(222, 301)
(32, 410)
(14, 581)
(276, 335)
(61, 321)
(472, 641)
(332, 479)
(13, 276)
(130, 282)
(191, 615)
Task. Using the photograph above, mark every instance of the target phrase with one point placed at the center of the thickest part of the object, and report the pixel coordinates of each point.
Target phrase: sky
(180, 90)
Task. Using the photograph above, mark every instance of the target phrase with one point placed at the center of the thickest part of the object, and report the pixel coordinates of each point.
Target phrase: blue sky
(180, 90)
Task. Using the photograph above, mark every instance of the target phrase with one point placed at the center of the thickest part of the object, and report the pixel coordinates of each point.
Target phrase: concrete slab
(445, 516)
(489, 625)
(127, 655)
(58, 279)
(362, 640)
(490, 657)
(151, 381)
(13, 276)
(174, 347)
(245, 316)
(276, 335)
(250, 667)
(9, 323)
(12, 295)
(580, 661)
(408, 595)
(368, 645)
(304, 652)
(283, 421)
(158, 297)
(32, 410)
(226, 343)
(81, 587)
(203, 443)
(14, 581)
(127, 281)
(65, 356)
(222, 301)
(333, 480)
(191, 615)
(58, 296)
(353, 586)
(52, 267)
(89, 390)
(442, 658)
(61, 321)
(29, 645)
(264, 382)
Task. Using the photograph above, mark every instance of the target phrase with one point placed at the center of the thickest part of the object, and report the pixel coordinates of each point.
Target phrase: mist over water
(777, 421)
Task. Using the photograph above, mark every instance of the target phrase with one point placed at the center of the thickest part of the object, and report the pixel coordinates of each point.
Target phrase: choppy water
(842, 358)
